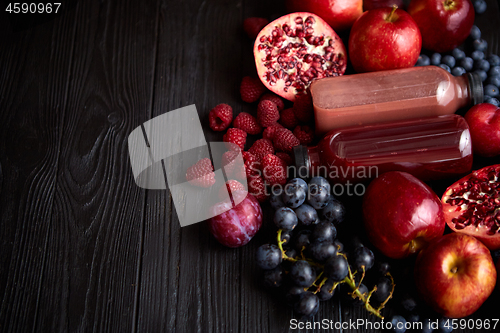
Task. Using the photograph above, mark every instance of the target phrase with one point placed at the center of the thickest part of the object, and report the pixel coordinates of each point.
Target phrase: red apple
(339, 14)
(444, 24)
(384, 38)
(455, 275)
(484, 125)
(373, 4)
(401, 214)
(235, 226)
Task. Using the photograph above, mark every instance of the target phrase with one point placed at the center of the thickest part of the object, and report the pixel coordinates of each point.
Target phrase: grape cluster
(308, 262)
(458, 62)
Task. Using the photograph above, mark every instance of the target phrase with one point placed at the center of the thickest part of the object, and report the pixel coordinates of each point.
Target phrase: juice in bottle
(410, 93)
(430, 148)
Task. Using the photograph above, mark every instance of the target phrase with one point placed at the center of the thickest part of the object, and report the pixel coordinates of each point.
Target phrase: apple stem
(449, 4)
(389, 18)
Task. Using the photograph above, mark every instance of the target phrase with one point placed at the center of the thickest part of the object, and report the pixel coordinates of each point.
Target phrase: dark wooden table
(82, 248)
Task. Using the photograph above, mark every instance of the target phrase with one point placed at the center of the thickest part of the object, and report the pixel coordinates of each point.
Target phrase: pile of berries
(308, 262)
(281, 129)
(457, 62)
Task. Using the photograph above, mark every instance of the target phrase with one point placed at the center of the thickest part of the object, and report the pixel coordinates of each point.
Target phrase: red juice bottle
(429, 148)
(400, 94)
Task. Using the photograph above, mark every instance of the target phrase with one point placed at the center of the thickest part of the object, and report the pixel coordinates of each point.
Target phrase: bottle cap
(300, 158)
(475, 88)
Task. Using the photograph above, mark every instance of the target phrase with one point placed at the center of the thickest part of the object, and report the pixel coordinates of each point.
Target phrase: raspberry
(252, 165)
(257, 188)
(253, 25)
(230, 187)
(284, 140)
(287, 159)
(303, 108)
(261, 148)
(270, 131)
(220, 117)
(304, 133)
(248, 123)
(201, 173)
(273, 98)
(251, 89)
(288, 119)
(236, 136)
(267, 113)
(273, 170)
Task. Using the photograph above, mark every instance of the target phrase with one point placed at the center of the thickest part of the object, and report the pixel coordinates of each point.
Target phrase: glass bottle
(430, 148)
(410, 93)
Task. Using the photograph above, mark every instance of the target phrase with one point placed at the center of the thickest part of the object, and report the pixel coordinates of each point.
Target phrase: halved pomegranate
(472, 205)
(296, 49)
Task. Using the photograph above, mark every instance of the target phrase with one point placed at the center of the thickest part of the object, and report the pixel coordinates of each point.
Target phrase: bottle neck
(305, 159)
(314, 160)
(474, 88)
(462, 91)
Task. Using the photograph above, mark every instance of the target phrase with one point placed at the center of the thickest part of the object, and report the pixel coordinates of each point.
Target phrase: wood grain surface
(82, 248)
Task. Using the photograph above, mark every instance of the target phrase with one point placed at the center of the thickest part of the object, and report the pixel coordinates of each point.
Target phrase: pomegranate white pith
(296, 49)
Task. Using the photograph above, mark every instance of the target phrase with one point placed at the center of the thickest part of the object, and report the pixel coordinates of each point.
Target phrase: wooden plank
(94, 244)
(189, 282)
(33, 87)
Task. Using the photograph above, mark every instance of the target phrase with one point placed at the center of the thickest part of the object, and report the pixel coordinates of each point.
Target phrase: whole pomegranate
(472, 206)
(236, 225)
(296, 49)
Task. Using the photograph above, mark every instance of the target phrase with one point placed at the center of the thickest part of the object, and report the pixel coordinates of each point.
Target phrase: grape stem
(321, 285)
(381, 306)
(349, 280)
(280, 245)
(285, 257)
(315, 281)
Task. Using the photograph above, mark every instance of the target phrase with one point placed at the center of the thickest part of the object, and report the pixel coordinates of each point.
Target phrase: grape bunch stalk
(338, 269)
(309, 260)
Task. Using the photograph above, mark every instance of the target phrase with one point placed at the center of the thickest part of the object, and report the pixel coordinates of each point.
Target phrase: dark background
(82, 248)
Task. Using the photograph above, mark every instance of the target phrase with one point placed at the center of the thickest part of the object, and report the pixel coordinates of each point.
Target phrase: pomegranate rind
(330, 49)
(479, 230)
